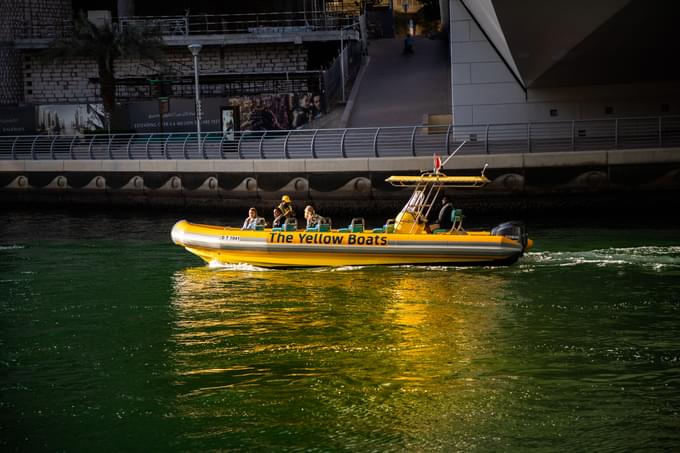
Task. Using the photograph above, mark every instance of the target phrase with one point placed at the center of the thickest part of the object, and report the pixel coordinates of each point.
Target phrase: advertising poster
(74, 119)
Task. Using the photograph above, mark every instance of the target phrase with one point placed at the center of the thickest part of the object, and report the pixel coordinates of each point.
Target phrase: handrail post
(375, 143)
(616, 133)
(148, 155)
(184, 146)
(33, 147)
(222, 146)
(285, 146)
(129, 151)
(529, 137)
(165, 146)
(14, 152)
(413, 141)
(89, 148)
(342, 144)
(52, 147)
(261, 144)
(205, 137)
(70, 148)
(110, 151)
(238, 147)
(573, 136)
(312, 144)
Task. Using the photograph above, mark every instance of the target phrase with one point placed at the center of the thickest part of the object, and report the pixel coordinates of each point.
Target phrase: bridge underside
(581, 42)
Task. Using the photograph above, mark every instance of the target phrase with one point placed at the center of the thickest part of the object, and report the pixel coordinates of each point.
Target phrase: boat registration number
(231, 238)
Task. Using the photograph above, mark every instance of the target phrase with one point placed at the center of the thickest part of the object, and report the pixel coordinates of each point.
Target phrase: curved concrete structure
(337, 184)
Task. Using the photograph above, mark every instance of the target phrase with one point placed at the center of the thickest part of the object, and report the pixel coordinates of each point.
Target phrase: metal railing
(254, 23)
(622, 133)
(202, 24)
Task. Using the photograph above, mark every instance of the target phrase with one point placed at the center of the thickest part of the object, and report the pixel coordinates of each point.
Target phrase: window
(553, 112)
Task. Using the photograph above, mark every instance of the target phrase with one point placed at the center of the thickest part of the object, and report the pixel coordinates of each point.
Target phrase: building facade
(554, 60)
(265, 63)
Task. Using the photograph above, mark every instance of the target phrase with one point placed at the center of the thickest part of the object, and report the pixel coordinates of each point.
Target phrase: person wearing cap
(286, 207)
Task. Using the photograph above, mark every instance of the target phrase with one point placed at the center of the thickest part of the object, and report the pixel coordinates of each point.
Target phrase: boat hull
(286, 249)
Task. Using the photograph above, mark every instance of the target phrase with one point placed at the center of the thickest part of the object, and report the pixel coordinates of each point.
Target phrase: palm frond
(104, 44)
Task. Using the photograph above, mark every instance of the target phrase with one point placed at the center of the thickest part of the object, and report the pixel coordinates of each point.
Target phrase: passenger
(279, 218)
(286, 207)
(251, 221)
(444, 219)
(313, 219)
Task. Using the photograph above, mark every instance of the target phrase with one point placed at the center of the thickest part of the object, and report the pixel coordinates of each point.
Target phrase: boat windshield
(415, 202)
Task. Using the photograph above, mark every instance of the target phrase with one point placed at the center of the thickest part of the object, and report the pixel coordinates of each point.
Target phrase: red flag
(437, 163)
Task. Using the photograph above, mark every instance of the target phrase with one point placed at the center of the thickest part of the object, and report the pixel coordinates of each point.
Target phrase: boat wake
(236, 267)
(11, 247)
(649, 257)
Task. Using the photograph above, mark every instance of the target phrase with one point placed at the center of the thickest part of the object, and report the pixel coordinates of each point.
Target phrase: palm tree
(105, 43)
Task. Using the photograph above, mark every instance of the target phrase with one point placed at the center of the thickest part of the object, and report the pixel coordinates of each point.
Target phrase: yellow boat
(404, 240)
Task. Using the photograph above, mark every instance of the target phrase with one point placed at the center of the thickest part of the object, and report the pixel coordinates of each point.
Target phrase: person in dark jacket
(279, 218)
(444, 219)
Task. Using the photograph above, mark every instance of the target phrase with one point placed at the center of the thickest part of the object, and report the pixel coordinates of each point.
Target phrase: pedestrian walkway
(397, 90)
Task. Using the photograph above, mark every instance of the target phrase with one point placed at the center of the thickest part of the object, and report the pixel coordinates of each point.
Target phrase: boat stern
(516, 231)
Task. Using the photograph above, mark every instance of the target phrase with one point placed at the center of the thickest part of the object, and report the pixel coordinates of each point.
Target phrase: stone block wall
(10, 76)
(21, 19)
(267, 58)
(11, 19)
(60, 82)
(231, 59)
(242, 58)
(67, 81)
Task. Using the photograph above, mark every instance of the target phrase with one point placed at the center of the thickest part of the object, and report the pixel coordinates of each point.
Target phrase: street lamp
(195, 49)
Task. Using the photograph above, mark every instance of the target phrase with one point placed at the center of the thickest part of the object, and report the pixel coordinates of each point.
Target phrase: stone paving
(397, 89)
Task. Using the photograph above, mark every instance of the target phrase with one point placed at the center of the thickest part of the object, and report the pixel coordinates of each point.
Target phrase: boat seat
(356, 226)
(260, 223)
(387, 228)
(323, 226)
(290, 224)
(456, 221)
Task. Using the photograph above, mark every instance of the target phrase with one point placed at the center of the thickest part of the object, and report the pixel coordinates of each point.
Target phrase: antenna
(453, 153)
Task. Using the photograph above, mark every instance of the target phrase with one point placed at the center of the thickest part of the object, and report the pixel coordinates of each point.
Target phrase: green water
(113, 339)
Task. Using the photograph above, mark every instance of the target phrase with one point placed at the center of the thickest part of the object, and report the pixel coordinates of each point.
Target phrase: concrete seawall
(540, 179)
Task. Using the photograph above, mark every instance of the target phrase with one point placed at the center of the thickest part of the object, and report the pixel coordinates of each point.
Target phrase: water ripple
(11, 247)
(648, 257)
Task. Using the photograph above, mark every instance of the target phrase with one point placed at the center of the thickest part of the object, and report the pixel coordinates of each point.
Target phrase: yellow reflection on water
(407, 343)
(441, 317)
